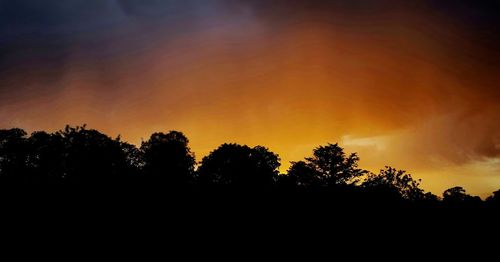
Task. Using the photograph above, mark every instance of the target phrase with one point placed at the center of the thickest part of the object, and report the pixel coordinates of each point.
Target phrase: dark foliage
(457, 197)
(328, 167)
(85, 158)
(167, 159)
(239, 166)
(13, 155)
(396, 181)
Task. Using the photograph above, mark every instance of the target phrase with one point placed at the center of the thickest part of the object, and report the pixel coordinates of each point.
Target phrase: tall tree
(168, 158)
(329, 166)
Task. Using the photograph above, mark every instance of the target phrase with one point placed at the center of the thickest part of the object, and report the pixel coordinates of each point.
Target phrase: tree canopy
(328, 166)
(168, 158)
(239, 165)
(86, 157)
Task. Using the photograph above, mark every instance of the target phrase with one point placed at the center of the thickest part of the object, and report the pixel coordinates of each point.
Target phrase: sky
(410, 84)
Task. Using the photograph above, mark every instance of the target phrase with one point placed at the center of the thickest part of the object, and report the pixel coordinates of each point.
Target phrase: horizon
(413, 84)
(284, 167)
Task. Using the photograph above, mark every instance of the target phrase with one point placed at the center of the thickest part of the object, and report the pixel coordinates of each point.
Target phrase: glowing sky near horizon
(411, 84)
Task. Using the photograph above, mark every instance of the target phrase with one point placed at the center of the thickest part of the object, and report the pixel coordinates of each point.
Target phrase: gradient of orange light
(307, 85)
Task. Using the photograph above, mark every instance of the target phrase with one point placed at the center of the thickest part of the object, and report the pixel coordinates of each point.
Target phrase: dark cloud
(40, 40)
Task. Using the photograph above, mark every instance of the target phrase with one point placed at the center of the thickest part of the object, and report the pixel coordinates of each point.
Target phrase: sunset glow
(414, 86)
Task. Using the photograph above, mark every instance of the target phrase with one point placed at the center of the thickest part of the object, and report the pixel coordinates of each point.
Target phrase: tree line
(78, 156)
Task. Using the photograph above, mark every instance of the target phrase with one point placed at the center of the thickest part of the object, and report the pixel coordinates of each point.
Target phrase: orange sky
(402, 87)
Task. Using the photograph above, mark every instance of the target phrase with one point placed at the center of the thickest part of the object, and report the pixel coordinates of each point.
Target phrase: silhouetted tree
(134, 160)
(81, 156)
(13, 154)
(494, 199)
(329, 166)
(91, 157)
(239, 166)
(455, 194)
(168, 159)
(46, 158)
(430, 199)
(303, 175)
(396, 181)
(457, 197)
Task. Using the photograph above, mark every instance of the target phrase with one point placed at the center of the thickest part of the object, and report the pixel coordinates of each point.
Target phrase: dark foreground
(80, 179)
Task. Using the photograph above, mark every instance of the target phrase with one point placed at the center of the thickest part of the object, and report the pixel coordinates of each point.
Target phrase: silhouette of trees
(46, 158)
(75, 155)
(303, 175)
(391, 180)
(91, 157)
(134, 160)
(457, 197)
(167, 159)
(86, 157)
(494, 199)
(13, 154)
(454, 194)
(239, 166)
(430, 199)
(329, 166)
